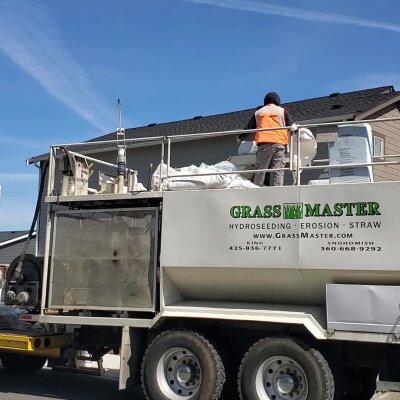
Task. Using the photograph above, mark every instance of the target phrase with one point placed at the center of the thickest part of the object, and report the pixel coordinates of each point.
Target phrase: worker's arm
(252, 124)
(288, 118)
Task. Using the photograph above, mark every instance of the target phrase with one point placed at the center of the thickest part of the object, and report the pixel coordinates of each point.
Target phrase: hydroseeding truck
(225, 291)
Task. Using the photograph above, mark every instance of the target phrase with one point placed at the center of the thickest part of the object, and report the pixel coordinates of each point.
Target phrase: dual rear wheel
(183, 365)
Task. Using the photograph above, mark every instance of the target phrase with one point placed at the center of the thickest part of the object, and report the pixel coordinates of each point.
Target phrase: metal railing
(165, 143)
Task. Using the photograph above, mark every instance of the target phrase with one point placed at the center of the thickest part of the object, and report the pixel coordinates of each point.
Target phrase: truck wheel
(279, 368)
(21, 363)
(182, 365)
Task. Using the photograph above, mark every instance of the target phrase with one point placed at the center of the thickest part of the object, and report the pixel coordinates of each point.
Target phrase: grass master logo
(300, 210)
(292, 210)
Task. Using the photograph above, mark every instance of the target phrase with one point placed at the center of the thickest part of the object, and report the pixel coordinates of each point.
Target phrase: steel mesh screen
(104, 259)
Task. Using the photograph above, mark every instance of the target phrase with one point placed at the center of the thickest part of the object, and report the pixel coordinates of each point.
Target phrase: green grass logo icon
(292, 210)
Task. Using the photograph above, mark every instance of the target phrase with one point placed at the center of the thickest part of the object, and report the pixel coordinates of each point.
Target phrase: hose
(17, 272)
(69, 167)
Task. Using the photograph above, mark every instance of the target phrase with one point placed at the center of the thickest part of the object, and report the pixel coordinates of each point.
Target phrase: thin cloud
(17, 177)
(22, 143)
(16, 214)
(29, 37)
(298, 13)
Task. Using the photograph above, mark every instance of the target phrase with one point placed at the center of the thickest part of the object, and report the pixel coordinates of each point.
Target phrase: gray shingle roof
(336, 105)
(8, 235)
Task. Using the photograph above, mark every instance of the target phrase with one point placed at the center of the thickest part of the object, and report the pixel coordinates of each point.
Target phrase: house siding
(390, 131)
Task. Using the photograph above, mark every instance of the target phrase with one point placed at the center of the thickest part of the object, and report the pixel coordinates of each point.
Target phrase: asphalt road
(47, 385)
(50, 385)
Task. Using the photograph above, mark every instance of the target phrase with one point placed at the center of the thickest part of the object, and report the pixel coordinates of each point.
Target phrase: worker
(271, 144)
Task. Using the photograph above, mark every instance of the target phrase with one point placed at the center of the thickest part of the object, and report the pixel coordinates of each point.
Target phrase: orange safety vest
(271, 116)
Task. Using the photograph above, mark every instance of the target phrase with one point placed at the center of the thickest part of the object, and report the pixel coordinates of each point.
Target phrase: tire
(180, 365)
(21, 363)
(279, 368)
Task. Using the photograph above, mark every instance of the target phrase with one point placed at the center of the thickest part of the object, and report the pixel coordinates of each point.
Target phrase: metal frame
(96, 321)
(53, 227)
(249, 312)
(166, 142)
(104, 197)
(212, 311)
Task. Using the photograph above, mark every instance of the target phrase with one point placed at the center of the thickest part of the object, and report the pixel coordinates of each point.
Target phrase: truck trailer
(256, 293)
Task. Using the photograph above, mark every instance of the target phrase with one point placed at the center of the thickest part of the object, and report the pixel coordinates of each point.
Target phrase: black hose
(17, 272)
(69, 167)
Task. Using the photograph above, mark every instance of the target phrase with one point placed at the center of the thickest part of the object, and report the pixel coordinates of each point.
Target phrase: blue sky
(63, 64)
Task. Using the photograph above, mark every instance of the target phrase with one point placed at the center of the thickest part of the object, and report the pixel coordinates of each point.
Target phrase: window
(379, 146)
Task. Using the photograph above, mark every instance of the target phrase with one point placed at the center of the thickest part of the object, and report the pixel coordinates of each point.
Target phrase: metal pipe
(298, 170)
(98, 161)
(46, 262)
(288, 169)
(94, 159)
(231, 132)
(357, 122)
(168, 156)
(51, 178)
(373, 157)
(291, 152)
(161, 165)
(313, 167)
(223, 133)
(231, 172)
(88, 144)
(387, 156)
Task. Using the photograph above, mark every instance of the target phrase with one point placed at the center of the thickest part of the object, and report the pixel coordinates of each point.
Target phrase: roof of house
(12, 237)
(335, 107)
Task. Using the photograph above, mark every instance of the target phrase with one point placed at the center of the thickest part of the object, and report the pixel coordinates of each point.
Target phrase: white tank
(278, 245)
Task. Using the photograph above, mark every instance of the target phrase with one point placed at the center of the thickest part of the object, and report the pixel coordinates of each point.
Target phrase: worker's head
(272, 97)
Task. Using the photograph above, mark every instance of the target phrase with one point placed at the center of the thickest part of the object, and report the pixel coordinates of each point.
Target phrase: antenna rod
(121, 159)
(119, 114)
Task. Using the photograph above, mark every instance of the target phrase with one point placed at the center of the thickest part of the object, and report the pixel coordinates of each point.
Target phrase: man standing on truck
(272, 143)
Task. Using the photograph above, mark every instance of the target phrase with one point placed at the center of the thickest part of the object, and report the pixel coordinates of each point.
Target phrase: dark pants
(270, 156)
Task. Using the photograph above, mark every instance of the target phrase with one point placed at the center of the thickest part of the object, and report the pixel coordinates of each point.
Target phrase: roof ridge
(390, 87)
(252, 108)
(191, 119)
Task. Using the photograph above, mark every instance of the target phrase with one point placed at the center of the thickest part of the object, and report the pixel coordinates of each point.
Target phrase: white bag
(247, 147)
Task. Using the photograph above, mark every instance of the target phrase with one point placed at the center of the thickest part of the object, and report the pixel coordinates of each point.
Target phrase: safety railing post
(298, 170)
(161, 163)
(168, 155)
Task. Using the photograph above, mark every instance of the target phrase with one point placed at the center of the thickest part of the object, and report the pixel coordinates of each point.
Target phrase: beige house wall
(390, 132)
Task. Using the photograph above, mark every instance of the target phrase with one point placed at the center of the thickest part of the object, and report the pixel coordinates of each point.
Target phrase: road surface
(49, 385)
